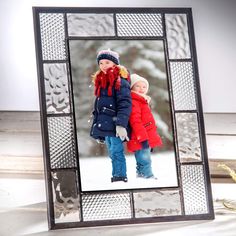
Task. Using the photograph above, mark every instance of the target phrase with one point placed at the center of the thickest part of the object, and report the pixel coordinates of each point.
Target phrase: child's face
(140, 87)
(105, 64)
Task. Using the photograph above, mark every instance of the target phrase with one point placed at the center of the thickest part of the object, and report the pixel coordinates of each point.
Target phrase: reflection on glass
(65, 196)
(157, 203)
(145, 58)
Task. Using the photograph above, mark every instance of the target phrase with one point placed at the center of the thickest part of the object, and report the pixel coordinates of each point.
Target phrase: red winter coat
(143, 125)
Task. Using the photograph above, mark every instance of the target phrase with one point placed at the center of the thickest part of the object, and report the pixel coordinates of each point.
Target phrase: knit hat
(136, 78)
(109, 55)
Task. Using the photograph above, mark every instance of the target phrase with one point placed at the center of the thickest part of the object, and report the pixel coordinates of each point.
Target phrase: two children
(114, 110)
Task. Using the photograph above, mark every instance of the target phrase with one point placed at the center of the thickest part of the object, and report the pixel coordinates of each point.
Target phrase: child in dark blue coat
(112, 109)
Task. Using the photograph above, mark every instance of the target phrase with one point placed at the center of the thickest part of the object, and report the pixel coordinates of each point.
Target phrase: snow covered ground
(96, 173)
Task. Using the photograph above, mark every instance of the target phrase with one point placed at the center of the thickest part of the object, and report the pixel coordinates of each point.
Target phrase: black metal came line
(173, 119)
(59, 114)
(100, 10)
(206, 170)
(171, 103)
(218, 134)
(186, 111)
(132, 204)
(115, 25)
(43, 118)
(181, 60)
(195, 163)
(113, 191)
(55, 61)
(134, 221)
(115, 38)
(72, 106)
(64, 169)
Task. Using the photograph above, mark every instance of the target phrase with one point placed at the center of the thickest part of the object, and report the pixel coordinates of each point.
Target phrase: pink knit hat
(109, 55)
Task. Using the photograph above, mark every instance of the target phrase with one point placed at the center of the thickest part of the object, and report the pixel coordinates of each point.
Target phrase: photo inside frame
(147, 59)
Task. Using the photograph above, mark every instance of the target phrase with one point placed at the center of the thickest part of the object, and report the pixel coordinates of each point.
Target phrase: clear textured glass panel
(90, 25)
(157, 203)
(188, 137)
(52, 36)
(194, 189)
(106, 206)
(65, 196)
(184, 91)
(61, 142)
(56, 88)
(177, 36)
(139, 24)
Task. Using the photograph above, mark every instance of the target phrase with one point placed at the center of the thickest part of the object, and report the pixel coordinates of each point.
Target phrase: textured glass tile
(61, 142)
(139, 24)
(56, 88)
(90, 25)
(52, 36)
(65, 196)
(157, 203)
(177, 36)
(106, 206)
(183, 85)
(194, 189)
(188, 137)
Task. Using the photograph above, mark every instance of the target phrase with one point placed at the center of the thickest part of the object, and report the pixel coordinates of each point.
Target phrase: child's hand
(121, 133)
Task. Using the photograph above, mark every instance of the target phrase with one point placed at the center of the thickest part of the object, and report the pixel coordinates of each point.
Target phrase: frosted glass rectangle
(183, 85)
(177, 36)
(90, 25)
(157, 203)
(56, 88)
(188, 137)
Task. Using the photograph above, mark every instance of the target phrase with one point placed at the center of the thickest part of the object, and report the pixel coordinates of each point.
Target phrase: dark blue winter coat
(110, 111)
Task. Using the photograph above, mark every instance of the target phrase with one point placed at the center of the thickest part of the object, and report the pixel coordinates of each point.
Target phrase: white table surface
(23, 212)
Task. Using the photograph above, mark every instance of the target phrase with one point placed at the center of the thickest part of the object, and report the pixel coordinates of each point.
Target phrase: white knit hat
(136, 78)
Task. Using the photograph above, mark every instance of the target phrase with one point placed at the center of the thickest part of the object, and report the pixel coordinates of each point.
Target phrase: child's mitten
(121, 133)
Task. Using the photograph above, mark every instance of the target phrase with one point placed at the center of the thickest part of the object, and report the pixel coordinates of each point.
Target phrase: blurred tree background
(143, 57)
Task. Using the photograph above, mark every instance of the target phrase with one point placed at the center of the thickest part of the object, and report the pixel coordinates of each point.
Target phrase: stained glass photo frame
(68, 204)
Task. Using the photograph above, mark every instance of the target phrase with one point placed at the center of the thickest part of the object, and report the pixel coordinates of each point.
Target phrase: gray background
(214, 23)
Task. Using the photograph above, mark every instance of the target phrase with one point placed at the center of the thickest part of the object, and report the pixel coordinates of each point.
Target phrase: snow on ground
(96, 173)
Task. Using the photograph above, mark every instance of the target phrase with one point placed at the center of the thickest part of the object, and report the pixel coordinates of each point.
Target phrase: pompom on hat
(137, 78)
(109, 55)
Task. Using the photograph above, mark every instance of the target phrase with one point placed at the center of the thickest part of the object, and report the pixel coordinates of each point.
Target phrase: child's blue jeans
(143, 163)
(116, 152)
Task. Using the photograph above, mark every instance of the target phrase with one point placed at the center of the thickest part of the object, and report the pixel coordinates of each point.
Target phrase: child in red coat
(144, 134)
